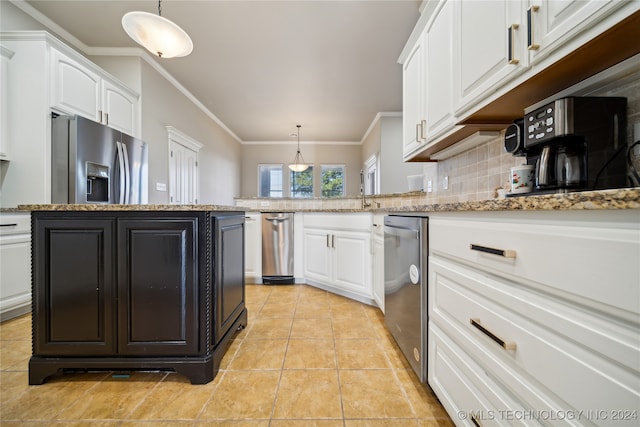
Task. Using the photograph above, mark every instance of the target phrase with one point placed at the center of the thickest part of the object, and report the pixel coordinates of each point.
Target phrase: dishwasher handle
(277, 218)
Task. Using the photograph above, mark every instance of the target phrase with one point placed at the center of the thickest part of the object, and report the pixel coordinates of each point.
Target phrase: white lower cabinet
(337, 253)
(15, 265)
(509, 344)
(378, 260)
(252, 247)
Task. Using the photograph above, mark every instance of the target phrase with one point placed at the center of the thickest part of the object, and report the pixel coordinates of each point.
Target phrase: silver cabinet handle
(511, 34)
(328, 241)
(333, 241)
(507, 345)
(106, 118)
(423, 126)
(506, 253)
(417, 132)
(531, 45)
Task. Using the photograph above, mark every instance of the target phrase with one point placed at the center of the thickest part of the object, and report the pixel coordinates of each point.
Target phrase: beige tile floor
(307, 358)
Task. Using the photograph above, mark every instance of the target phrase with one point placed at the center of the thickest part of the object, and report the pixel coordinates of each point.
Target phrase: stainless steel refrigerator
(93, 163)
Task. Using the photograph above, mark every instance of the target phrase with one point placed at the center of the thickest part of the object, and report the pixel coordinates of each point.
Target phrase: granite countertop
(106, 207)
(625, 198)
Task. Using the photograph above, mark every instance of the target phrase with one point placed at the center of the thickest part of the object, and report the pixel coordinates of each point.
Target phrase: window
(302, 183)
(332, 180)
(270, 181)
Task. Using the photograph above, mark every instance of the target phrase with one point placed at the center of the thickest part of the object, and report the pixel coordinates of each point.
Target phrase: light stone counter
(626, 198)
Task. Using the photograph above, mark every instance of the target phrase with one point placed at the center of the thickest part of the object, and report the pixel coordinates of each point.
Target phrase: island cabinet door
(73, 292)
(157, 286)
(228, 268)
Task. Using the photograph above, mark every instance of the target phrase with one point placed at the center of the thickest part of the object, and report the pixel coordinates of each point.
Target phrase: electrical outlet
(264, 203)
(161, 186)
(445, 182)
(429, 186)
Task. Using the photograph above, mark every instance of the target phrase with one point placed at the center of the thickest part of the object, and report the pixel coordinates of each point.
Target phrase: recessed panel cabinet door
(73, 287)
(228, 267)
(158, 279)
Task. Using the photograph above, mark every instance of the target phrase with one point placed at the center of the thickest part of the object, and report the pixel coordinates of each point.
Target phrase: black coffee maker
(577, 144)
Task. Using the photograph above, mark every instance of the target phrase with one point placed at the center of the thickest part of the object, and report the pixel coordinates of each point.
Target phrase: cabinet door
(317, 263)
(15, 265)
(75, 89)
(74, 309)
(555, 21)
(352, 262)
(490, 40)
(5, 56)
(119, 108)
(157, 286)
(228, 268)
(439, 69)
(252, 246)
(378, 270)
(413, 100)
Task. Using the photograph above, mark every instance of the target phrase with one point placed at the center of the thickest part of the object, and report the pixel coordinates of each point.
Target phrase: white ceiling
(263, 66)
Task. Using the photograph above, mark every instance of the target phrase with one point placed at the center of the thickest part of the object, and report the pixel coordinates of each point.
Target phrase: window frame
(282, 191)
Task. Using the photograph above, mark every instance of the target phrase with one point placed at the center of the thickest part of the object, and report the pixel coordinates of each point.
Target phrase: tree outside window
(302, 183)
(270, 181)
(332, 180)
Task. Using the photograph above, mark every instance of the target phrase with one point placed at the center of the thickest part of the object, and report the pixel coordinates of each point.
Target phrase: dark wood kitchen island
(143, 287)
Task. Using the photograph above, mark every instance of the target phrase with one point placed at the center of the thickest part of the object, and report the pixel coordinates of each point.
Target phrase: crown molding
(375, 121)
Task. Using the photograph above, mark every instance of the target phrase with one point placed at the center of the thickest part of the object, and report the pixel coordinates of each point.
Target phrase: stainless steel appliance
(405, 286)
(93, 163)
(277, 248)
(577, 144)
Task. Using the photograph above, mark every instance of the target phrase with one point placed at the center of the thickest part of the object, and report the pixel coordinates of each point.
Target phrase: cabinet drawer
(464, 388)
(521, 336)
(15, 223)
(342, 221)
(578, 257)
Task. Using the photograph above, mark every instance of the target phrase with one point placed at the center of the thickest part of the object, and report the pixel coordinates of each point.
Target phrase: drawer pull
(507, 253)
(475, 421)
(8, 225)
(507, 345)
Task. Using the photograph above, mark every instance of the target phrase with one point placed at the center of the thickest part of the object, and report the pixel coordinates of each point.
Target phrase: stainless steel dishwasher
(405, 287)
(277, 248)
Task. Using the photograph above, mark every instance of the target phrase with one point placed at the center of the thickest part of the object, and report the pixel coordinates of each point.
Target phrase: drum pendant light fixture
(158, 35)
(298, 164)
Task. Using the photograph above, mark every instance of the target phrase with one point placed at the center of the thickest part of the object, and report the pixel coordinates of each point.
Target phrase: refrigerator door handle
(127, 174)
(121, 168)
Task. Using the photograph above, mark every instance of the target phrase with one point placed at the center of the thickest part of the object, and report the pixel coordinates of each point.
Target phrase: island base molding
(199, 369)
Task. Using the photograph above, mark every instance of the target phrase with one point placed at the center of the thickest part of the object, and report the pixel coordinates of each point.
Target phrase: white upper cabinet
(80, 88)
(5, 57)
(439, 69)
(428, 83)
(476, 65)
(119, 108)
(552, 23)
(490, 41)
(75, 89)
(413, 108)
